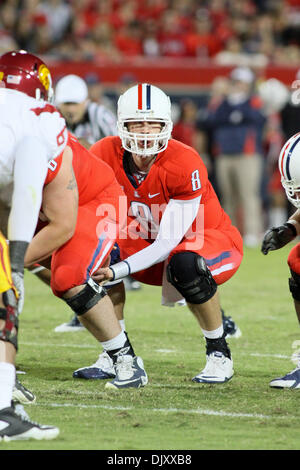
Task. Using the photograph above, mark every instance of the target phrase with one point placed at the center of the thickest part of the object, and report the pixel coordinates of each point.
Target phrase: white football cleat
(218, 369)
(73, 325)
(130, 373)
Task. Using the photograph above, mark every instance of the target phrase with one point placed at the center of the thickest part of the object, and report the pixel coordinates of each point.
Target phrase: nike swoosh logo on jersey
(150, 196)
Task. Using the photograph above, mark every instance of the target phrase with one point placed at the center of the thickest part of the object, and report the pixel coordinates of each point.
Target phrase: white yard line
(197, 411)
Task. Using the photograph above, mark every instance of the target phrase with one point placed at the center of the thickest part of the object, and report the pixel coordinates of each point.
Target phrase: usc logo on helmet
(44, 76)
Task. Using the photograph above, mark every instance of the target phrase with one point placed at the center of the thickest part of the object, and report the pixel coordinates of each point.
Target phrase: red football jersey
(177, 173)
(93, 176)
(97, 222)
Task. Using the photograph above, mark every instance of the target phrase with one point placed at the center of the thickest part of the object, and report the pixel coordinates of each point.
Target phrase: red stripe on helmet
(282, 159)
(140, 96)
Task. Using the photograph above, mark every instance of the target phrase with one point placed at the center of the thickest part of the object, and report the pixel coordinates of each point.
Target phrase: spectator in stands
(102, 41)
(233, 54)
(237, 123)
(58, 15)
(170, 36)
(149, 38)
(129, 39)
(268, 29)
(202, 41)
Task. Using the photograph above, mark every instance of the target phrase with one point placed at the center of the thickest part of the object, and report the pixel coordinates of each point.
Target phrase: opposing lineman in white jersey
(32, 133)
(25, 118)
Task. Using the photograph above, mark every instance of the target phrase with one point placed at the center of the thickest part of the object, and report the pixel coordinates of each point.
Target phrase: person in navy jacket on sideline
(236, 119)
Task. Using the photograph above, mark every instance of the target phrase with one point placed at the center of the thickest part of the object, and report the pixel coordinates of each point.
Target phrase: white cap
(71, 89)
(242, 74)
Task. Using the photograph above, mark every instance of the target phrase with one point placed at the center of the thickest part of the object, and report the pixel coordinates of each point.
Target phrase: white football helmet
(144, 102)
(289, 167)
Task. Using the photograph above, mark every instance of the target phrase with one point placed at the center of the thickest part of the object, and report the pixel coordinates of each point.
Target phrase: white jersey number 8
(196, 184)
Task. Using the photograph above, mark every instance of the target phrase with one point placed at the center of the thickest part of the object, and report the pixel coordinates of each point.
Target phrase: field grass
(172, 412)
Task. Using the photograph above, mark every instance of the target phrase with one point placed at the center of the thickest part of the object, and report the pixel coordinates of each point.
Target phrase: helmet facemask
(145, 144)
(292, 191)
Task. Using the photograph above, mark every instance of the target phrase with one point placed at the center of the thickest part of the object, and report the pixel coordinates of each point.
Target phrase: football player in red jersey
(181, 237)
(78, 226)
(277, 237)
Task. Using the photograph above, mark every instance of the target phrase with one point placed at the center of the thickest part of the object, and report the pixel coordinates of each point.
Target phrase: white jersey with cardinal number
(23, 117)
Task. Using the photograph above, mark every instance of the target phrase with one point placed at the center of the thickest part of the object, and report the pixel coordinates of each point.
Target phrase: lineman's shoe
(218, 369)
(231, 329)
(14, 427)
(102, 369)
(290, 380)
(22, 395)
(73, 325)
(130, 373)
(131, 284)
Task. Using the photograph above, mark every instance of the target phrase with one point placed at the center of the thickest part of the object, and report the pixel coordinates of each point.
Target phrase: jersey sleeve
(186, 177)
(51, 127)
(29, 177)
(7, 151)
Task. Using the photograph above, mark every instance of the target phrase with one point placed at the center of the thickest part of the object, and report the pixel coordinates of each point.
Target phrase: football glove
(277, 237)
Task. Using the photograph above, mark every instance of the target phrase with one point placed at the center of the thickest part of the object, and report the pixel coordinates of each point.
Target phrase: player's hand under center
(103, 275)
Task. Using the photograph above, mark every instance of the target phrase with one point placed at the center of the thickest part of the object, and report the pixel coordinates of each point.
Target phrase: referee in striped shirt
(88, 121)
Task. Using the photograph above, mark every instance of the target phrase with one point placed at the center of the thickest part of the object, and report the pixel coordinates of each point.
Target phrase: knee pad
(294, 285)
(87, 298)
(9, 314)
(188, 273)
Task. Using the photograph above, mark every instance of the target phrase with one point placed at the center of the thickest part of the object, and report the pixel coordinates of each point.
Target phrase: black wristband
(17, 250)
(292, 227)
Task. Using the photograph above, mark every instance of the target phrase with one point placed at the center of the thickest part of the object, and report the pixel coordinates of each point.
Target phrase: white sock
(122, 325)
(115, 343)
(213, 334)
(7, 382)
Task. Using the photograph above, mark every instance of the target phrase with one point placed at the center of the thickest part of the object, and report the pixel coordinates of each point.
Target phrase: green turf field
(172, 412)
